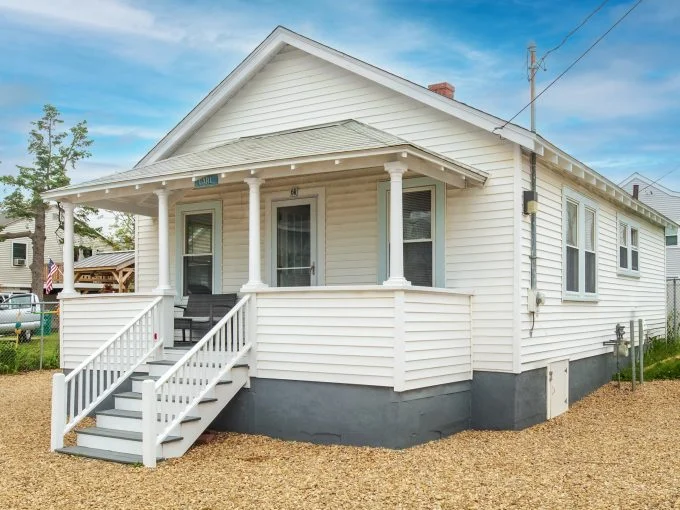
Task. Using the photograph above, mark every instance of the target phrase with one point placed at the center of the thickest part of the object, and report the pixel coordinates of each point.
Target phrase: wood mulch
(614, 449)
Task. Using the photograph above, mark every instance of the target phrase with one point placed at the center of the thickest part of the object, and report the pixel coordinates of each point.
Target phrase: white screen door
(294, 224)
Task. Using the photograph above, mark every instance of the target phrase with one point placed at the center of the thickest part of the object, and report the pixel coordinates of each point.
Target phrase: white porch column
(163, 241)
(254, 273)
(69, 278)
(396, 276)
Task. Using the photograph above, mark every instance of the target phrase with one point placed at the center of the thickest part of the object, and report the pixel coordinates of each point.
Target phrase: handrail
(182, 387)
(98, 376)
(105, 345)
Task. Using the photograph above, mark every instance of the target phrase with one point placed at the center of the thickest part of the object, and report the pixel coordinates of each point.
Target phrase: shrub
(8, 357)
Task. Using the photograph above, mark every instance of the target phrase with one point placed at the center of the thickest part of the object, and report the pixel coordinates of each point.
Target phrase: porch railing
(76, 395)
(182, 387)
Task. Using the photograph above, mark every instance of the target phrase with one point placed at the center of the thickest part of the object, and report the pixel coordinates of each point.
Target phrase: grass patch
(662, 361)
(25, 357)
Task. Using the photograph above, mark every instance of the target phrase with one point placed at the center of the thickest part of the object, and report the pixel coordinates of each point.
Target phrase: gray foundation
(347, 414)
(502, 401)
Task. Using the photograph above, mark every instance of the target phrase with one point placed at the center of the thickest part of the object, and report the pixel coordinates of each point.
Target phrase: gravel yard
(612, 450)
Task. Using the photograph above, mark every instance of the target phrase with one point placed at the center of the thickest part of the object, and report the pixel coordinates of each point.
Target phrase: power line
(566, 38)
(625, 15)
(664, 175)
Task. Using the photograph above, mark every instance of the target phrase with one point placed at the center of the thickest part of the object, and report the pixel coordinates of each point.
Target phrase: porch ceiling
(332, 147)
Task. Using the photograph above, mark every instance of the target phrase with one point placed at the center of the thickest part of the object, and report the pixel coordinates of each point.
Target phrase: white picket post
(58, 411)
(149, 423)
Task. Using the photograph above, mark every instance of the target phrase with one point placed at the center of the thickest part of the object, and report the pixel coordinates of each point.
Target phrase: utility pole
(532, 85)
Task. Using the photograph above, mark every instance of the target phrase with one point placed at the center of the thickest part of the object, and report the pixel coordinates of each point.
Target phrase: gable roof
(113, 259)
(636, 176)
(338, 139)
(282, 36)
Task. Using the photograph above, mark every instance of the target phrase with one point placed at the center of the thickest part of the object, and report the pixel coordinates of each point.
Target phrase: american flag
(50, 276)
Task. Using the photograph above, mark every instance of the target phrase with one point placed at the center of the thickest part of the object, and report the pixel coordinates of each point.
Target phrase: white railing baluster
(102, 372)
(182, 387)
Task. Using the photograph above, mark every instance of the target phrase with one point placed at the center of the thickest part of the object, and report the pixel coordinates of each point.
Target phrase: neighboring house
(17, 254)
(375, 234)
(667, 202)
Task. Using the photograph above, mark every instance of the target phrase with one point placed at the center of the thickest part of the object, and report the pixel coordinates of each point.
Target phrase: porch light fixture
(193, 179)
(137, 186)
(337, 161)
(252, 172)
(107, 191)
(292, 167)
(530, 202)
(403, 154)
(78, 195)
(163, 183)
(223, 175)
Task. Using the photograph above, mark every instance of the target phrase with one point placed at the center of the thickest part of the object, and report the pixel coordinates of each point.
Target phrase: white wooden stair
(117, 435)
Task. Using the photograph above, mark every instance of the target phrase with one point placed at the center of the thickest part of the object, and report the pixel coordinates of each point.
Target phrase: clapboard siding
(20, 276)
(295, 90)
(146, 263)
(437, 339)
(87, 322)
(352, 343)
(667, 204)
(573, 330)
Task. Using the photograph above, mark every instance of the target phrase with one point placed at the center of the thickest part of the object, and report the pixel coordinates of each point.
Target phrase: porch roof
(105, 260)
(343, 140)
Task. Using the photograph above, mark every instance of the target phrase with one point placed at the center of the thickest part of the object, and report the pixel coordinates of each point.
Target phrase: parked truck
(20, 311)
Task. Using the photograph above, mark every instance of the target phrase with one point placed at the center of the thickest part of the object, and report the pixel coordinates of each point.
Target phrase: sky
(133, 69)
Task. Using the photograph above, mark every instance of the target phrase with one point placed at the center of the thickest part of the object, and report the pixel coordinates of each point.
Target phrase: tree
(123, 233)
(54, 152)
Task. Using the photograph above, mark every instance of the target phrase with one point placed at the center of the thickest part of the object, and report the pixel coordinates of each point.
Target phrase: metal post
(149, 423)
(632, 354)
(642, 352)
(42, 333)
(675, 307)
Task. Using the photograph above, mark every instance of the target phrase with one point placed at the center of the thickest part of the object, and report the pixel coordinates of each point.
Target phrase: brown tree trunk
(38, 263)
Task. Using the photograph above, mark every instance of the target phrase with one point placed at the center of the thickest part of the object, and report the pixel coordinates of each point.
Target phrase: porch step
(137, 415)
(128, 435)
(108, 455)
(200, 364)
(135, 395)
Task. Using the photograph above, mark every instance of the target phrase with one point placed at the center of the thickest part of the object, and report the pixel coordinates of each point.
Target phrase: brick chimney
(443, 89)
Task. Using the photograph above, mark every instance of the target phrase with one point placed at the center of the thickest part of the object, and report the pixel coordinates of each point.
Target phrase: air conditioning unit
(19, 262)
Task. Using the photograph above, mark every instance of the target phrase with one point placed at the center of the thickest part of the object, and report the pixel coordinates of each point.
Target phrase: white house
(374, 232)
(17, 254)
(667, 202)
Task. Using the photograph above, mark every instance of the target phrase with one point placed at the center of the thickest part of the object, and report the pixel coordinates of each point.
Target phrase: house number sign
(206, 181)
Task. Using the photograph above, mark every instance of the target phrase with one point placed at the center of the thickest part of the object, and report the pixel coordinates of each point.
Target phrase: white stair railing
(182, 387)
(76, 395)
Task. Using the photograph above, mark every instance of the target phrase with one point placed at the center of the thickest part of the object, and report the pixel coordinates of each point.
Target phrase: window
(580, 247)
(629, 247)
(423, 223)
(19, 251)
(672, 240)
(198, 248)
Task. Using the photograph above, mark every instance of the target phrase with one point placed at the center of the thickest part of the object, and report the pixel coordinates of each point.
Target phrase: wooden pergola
(114, 270)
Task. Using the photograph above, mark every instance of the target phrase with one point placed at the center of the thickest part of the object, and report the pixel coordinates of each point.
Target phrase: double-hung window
(629, 247)
(19, 253)
(580, 247)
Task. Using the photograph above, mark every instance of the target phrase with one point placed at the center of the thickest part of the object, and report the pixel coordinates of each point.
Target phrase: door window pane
(293, 246)
(198, 259)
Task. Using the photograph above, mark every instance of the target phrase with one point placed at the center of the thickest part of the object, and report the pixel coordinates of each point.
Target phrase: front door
(294, 231)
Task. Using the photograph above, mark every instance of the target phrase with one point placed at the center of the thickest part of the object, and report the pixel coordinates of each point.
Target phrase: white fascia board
(570, 165)
(281, 36)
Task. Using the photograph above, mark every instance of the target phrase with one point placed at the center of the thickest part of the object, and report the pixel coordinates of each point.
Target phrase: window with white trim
(198, 253)
(19, 253)
(629, 247)
(580, 247)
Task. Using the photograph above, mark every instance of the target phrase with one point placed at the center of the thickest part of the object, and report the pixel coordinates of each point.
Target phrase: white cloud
(125, 131)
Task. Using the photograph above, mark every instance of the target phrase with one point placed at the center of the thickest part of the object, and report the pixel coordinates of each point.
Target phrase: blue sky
(133, 69)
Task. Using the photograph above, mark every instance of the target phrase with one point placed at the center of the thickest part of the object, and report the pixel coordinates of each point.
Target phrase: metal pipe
(632, 354)
(642, 353)
(532, 81)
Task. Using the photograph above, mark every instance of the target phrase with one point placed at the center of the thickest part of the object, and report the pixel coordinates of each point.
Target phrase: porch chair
(202, 312)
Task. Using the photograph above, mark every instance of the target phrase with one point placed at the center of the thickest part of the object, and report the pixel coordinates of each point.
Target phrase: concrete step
(122, 441)
(108, 455)
(121, 419)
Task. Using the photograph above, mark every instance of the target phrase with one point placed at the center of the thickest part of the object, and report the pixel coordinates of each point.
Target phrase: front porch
(353, 293)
